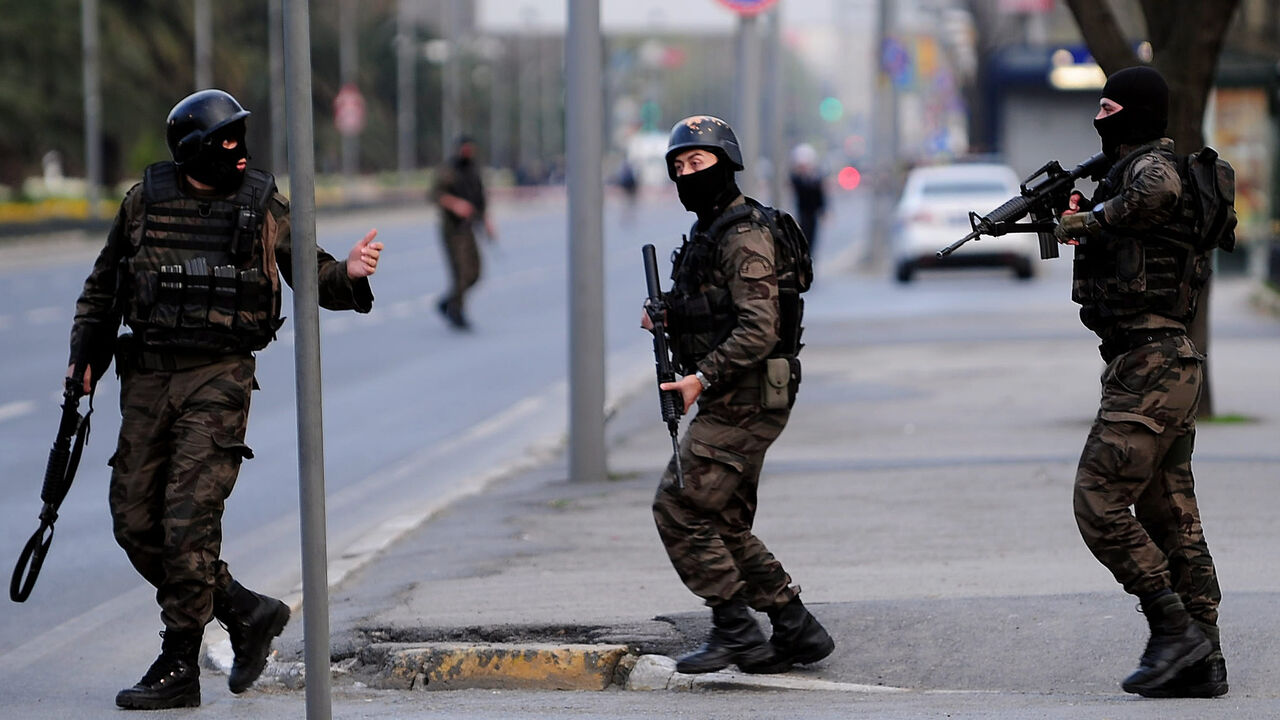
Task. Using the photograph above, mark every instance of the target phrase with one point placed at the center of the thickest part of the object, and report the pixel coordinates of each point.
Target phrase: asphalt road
(418, 416)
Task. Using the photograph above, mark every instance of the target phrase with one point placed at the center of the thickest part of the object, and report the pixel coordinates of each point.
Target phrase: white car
(934, 212)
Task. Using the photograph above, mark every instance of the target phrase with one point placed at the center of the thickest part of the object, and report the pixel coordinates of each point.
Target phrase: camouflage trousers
(706, 527)
(1138, 455)
(180, 447)
(463, 255)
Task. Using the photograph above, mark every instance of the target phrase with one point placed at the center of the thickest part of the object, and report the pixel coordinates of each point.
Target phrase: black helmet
(706, 132)
(196, 117)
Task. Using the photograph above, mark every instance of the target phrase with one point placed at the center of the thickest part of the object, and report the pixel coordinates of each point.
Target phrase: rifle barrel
(956, 245)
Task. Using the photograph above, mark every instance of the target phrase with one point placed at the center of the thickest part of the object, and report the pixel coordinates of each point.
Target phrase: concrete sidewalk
(921, 496)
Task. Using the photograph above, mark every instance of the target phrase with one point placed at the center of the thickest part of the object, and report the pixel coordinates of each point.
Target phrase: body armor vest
(701, 314)
(1160, 270)
(196, 273)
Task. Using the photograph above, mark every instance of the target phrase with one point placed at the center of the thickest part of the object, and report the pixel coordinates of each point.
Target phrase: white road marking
(44, 315)
(12, 410)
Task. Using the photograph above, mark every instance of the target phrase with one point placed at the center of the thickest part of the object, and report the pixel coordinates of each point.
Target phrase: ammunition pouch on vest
(1159, 271)
(196, 273)
(700, 319)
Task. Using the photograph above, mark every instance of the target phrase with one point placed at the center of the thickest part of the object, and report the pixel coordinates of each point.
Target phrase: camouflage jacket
(1148, 193)
(99, 310)
(744, 265)
(1144, 198)
(462, 182)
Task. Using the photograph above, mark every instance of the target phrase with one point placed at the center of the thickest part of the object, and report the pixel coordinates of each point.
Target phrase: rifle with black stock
(1043, 196)
(670, 400)
(64, 458)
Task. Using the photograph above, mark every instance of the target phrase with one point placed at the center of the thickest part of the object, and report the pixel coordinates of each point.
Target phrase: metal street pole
(885, 136)
(92, 105)
(204, 44)
(552, 125)
(451, 107)
(773, 109)
(746, 123)
(306, 333)
(584, 110)
(528, 97)
(499, 111)
(406, 113)
(348, 70)
(275, 53)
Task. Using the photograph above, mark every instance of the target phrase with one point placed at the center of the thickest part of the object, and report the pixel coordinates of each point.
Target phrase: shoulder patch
(755, 268)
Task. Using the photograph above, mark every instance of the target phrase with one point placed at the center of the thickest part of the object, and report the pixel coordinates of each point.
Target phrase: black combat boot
(1204, 679)
(174, 678)
(251, 620)
(798, 637)
(735, 639)
(1176, 643)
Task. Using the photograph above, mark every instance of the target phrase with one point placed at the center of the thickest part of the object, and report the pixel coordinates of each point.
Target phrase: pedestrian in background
(734, 317)
(192, 266)
(807, 185)
(459, 192)
(1137, 275)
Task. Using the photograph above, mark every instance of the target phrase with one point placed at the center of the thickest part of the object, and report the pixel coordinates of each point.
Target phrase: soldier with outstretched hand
(733, 316)
(192, 266)
(1138, 271)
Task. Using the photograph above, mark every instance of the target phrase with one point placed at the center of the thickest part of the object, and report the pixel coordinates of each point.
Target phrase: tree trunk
(1186, 39)
(1102, 34)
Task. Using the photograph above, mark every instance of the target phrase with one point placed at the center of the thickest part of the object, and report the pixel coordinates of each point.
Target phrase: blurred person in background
(810, 195)
(459, 192)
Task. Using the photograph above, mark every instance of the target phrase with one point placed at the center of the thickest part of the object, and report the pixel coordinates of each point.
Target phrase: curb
(506, 666)
(658, 672)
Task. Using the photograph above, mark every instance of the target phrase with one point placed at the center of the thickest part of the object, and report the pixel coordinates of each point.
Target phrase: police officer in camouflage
(734, 320)
(1137, 275)
(192, 267)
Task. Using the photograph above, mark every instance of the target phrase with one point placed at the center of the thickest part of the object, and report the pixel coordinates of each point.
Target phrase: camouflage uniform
(458, 234)
(183, 424)
(1138, 453)
(706, 527)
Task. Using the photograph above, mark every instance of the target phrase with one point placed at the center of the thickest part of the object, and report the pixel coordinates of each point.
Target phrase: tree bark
(1186, 39)
(1102, 34)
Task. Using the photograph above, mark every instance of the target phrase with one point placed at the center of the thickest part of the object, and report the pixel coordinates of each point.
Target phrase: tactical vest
(1160, 270)
(700, 311)
(197, 280)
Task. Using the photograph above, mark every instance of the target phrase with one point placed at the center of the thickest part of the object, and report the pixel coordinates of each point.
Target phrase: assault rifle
(670, 400)
(64, 458)
(1043, 196)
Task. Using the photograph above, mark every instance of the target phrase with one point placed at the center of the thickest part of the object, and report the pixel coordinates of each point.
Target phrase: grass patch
(1229, 419)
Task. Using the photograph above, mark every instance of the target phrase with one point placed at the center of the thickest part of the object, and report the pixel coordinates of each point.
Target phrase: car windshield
(963, 187)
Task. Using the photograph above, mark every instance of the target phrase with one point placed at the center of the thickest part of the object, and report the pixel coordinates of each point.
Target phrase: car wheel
(1023, 269)
(905, 271)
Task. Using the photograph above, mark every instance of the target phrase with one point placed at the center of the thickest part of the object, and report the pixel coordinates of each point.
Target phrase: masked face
(700, 191)
(1134, 109)
(222, 159)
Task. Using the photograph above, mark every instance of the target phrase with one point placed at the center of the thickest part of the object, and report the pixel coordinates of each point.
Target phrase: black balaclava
(707, 191)
(1143, 96)
(215, 165)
